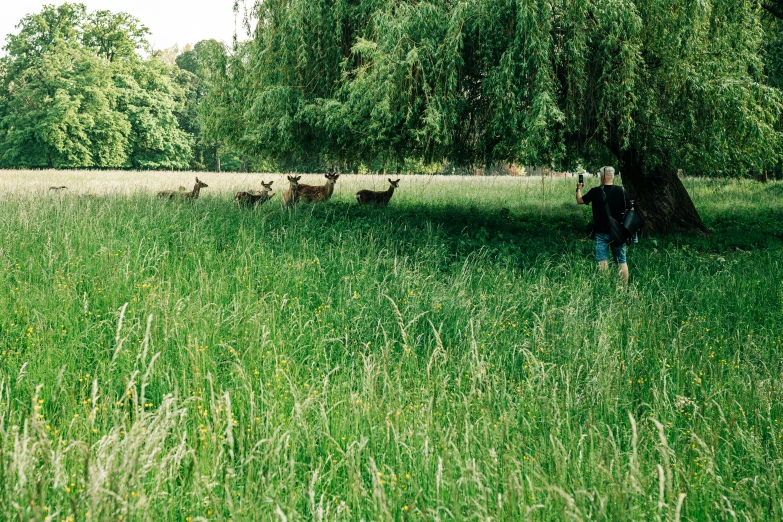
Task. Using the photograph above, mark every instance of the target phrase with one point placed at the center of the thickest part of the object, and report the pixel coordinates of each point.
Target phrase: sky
(170, 21)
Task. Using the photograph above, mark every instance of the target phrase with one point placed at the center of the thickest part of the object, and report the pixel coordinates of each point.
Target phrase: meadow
(455, 356)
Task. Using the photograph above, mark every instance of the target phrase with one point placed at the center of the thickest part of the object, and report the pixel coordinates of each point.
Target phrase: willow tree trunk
(661, 199)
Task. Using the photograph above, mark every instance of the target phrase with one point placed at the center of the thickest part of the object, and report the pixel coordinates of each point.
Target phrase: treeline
(399, 85)
(75, 92)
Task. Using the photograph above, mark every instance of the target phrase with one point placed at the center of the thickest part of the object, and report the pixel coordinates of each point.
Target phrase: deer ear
(271, 182)
(390, 181)
(398, 180)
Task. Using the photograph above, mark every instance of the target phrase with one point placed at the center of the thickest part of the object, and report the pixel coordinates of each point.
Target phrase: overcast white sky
(170, 21)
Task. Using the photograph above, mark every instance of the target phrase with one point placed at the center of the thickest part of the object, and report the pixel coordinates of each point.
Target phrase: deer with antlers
(252, 199)
(193, 194)
(380, 198)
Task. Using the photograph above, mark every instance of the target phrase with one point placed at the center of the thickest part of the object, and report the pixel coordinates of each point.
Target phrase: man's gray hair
(608, 172)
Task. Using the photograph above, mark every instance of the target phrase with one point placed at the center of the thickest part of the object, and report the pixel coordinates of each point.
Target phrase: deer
(251, 199)
(380, 198)
(193, 194)
(59, 188)
(291, 196)
(312, 193)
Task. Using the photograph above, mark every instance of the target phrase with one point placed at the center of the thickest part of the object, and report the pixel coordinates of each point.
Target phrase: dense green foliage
(290, 77)
(75, 93)
(209, 114)
(536, 82)
(453, 356)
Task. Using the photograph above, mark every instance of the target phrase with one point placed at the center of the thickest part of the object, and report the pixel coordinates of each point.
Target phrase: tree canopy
(208, 110)
(515, 80)
(74, 92)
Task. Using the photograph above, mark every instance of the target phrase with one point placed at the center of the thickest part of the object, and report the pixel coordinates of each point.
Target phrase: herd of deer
(296, 192)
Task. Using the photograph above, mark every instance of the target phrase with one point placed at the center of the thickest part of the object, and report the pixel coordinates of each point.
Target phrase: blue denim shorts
(602, 249)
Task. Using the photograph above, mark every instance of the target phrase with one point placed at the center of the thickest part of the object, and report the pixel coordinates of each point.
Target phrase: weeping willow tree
(281, 88)
(659, 86)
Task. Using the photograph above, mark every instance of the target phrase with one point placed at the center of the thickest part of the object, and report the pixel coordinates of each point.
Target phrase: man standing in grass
(618, 202)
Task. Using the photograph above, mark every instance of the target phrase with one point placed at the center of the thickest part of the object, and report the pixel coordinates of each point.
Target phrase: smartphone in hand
(581, 178)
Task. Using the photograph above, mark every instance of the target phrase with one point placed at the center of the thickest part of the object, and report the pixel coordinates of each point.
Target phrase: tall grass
(453, 356)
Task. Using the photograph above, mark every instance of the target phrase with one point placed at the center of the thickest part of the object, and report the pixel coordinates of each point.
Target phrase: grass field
(455, 356)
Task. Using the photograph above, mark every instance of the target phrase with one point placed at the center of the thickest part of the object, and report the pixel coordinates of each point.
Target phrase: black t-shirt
(618, 203)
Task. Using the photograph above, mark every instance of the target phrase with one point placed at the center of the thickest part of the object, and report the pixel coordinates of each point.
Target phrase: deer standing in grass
(251, 199)
(193, 194)
(291, 196)
(312, 193)
(380, 198)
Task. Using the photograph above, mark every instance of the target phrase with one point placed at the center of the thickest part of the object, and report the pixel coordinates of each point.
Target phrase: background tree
(74, 92)
(38, 32)
(204, 77)
(60, 113)
(151, 100)
(115, 35)
(56, 98)
(285, 81)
